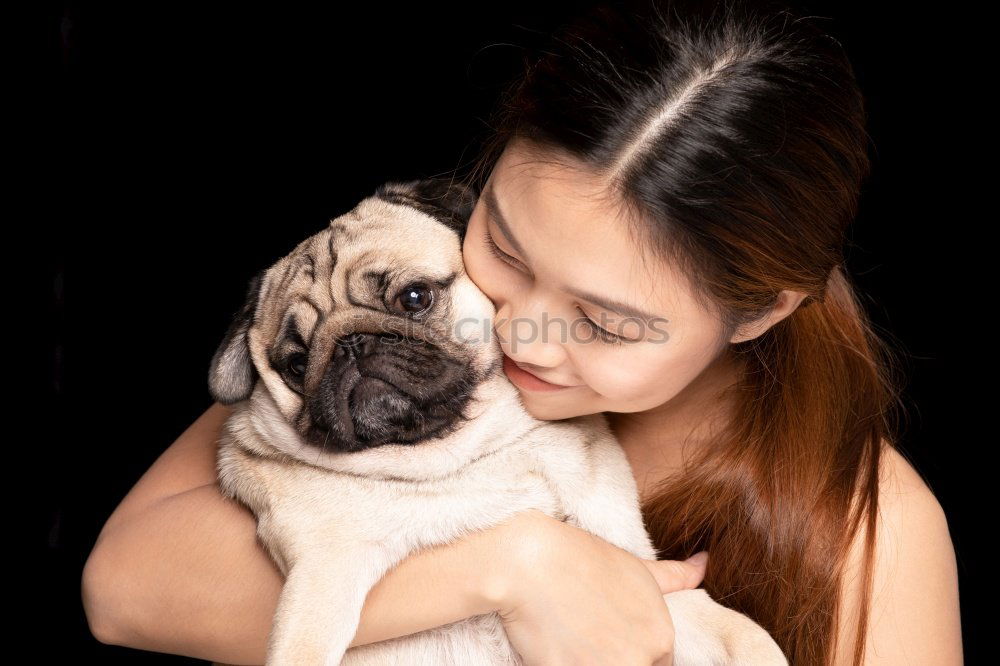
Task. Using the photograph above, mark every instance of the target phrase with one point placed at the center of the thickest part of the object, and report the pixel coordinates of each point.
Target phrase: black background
(178, 148)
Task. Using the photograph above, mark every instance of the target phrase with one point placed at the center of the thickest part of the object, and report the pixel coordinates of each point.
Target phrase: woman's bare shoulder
(901, 480)
(914, 614)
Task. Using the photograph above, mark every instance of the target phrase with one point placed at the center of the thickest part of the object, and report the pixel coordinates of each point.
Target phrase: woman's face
(577, 304)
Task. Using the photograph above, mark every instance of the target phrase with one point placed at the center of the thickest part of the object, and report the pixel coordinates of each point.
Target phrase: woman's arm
(914, 617)
(177, 568)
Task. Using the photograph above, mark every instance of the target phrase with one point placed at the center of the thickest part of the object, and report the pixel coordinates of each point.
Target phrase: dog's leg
(320, 604)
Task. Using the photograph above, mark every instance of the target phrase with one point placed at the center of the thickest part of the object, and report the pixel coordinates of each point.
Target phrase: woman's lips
(526, 380)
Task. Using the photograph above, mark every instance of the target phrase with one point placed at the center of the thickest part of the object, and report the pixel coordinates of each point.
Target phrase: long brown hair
(736, 132)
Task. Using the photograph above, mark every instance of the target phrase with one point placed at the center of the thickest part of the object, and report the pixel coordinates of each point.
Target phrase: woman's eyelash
(495, 249)
(605, 336)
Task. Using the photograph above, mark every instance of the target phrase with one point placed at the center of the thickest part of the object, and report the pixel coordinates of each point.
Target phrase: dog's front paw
(748, 643)
(706, 632)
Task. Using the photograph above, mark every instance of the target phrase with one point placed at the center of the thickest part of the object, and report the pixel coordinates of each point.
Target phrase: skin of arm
(915, 617)
(178, 569)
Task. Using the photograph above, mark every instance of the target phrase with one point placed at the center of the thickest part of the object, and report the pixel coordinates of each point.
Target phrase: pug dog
(372, 418)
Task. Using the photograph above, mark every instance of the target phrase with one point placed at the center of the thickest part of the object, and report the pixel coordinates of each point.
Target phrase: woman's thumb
(674, 575)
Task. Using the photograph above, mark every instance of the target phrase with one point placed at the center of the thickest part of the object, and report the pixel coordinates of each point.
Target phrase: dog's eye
(414, 298)
(297, 364)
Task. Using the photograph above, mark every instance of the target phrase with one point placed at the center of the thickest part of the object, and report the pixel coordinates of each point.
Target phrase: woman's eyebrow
(611, 304)
(494, 210)
(492, 206)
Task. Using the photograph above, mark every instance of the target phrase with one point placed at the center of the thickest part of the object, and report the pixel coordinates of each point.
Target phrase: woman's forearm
(187, 576)
(184, 576)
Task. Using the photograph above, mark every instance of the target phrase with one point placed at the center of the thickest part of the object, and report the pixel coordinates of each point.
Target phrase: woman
(674, 182)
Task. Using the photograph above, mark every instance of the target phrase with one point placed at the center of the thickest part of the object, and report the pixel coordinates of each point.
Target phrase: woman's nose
(530, 336)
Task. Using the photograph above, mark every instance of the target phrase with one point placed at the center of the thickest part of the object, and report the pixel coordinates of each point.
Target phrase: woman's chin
(539, 407)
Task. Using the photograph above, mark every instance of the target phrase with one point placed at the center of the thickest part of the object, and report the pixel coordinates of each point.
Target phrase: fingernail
(698, 559)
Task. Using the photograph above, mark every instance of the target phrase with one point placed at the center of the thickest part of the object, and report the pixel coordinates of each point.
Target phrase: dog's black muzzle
(384, 388)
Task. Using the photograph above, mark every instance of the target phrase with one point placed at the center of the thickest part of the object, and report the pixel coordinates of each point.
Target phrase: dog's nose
(353, 344)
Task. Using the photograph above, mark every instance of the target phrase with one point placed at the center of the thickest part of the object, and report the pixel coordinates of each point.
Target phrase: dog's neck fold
(497, 418)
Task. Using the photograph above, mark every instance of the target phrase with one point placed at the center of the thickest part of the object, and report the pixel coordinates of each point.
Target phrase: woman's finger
(674, 575)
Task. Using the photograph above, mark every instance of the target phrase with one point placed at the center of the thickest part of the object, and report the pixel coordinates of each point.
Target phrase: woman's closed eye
(604, 335)
(497, 252)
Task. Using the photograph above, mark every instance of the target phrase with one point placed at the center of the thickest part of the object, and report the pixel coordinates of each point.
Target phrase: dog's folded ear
(445, 199)
(232, 375)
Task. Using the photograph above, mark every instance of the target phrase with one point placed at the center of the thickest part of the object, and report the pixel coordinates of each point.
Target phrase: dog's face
(369, 332)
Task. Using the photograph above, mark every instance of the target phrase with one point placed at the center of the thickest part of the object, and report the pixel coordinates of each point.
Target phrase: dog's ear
(447, 200)
(232, 375)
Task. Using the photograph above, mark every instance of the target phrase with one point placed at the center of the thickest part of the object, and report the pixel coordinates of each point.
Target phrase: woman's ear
(785, 305)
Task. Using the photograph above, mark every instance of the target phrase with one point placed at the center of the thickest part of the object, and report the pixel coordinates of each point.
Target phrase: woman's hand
(570, 597)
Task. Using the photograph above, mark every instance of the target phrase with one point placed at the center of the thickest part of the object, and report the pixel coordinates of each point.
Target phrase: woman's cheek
(637, 380)
(487, 283)
(617, 382)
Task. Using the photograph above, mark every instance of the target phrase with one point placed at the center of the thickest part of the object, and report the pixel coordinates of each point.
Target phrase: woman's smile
(526, 380)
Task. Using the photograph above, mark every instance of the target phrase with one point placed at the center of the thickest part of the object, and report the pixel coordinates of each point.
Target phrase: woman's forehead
(577, 235)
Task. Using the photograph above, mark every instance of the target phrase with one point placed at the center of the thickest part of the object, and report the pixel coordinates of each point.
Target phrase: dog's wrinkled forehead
(406, 233)
(379, 243)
